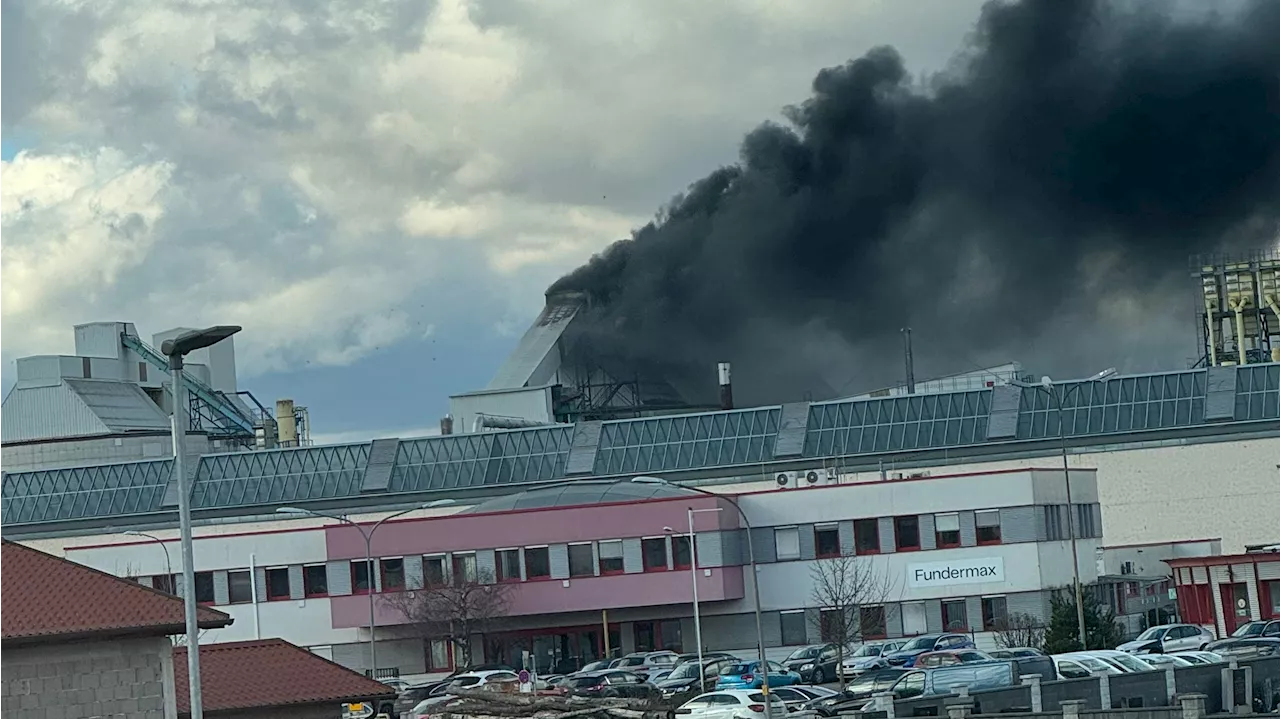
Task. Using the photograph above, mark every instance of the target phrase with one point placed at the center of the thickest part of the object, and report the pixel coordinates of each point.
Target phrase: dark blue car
(906, 656)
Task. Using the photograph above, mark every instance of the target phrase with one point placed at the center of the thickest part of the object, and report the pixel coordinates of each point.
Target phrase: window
(315, 580)
(392, 574)
(1084, 521)
(866, 536)
(826, 540)
(464, 568)
(433, 571)
(831, 625)
(655, 554)
(906, 531)
(537, 562)
(912, 685)
(438, 659)
(582, 561)
(142, 371)
(611, 557)
(786, 541)
(277, 583)
(1273, 590)
(239, 587)
(167, 583)
(913, 619)
(508, 565)
(947, 527)
(955, 616)
(872, 622)
(1054, 526)
(988, 526)
(994, 612)
(681, 554)
(360, 583)
(204, 587)
(793, 628)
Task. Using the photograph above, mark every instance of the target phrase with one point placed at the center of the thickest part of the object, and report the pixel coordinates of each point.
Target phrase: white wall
(528, 403)
(145, 557)
(304, 622)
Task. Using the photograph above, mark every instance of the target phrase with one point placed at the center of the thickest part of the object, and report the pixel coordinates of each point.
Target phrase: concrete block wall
(131, 679)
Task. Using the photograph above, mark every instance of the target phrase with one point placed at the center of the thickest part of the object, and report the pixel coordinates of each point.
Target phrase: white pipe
(1275, 307)
(487, 420)
(253, 589)
(1237, 306)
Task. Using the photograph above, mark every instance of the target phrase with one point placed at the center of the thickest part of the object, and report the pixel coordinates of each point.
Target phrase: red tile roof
(46, 597)
(270, 673)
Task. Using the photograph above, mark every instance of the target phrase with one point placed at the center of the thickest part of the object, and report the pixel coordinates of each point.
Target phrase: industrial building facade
(959, 553)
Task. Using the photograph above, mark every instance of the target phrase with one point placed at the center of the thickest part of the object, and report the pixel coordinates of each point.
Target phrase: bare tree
(456, 611)
(842, 588)
(1019, 630)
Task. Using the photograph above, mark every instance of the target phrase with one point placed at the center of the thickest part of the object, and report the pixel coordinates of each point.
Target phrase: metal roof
(1217, 402)
(79, 408)
(538, 341)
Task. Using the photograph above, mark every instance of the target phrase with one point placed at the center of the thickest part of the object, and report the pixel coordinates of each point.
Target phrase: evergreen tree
(1100, 625)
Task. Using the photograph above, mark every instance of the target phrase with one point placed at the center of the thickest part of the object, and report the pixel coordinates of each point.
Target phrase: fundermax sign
(982, 570)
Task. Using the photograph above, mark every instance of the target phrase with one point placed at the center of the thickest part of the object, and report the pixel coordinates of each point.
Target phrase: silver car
(1169, 638)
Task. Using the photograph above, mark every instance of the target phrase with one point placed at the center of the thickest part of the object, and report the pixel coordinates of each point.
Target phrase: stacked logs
(502, 705)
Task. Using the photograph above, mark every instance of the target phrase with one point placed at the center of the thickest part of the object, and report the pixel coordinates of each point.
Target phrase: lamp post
(1059, 398)
(751, 558)
(693, 570)
(168, 565)
(176, 349)
(368, 558)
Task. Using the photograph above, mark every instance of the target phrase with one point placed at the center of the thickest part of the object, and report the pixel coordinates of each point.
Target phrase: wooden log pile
(473, 704)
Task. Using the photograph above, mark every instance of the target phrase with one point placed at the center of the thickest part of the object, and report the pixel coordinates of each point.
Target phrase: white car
(1077, 666)
(868, 657)
(1161, 661)
(471, 680)
(731, 704)
(1169, 638)
(1201, 657)
(1120, 660)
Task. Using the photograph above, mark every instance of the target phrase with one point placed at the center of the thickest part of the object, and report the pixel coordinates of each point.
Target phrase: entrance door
(1235, 605)
(646, 636)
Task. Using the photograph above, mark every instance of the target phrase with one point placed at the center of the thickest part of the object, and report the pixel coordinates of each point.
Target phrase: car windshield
(1153, 633)
(465, 682)
(920, 643)
(867, 650)
(736, 669)
(803, 653)
(1130, 663)
(584, 682)
(1248, 630)
(685, 671)
(662, 659)
(1093, 663)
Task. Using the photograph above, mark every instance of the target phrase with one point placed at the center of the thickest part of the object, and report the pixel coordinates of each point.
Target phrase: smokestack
(906, 353)
(726, 386)
(446, 424)
(286, 424)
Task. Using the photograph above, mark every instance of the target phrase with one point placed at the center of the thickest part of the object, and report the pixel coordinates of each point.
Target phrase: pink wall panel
(582, 594)
(530, 527)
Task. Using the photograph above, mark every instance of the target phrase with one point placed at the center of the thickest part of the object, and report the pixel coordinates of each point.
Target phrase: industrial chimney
(726, 387)
(446, 424)
(286, 424)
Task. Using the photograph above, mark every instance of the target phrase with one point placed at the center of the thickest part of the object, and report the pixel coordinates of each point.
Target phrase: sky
(378, 192)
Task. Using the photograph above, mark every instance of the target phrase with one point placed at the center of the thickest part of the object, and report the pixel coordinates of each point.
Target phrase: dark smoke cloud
(1039, 200)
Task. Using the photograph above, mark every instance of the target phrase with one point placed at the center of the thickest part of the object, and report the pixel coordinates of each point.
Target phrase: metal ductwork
(489, 421)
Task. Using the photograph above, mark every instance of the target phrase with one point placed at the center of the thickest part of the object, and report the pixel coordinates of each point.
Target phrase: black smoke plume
(1039, 200)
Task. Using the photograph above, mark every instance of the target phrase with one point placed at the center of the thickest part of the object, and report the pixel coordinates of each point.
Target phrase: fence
(1252, 685)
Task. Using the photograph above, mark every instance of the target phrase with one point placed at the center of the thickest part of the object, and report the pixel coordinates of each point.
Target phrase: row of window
(906, 535)
(872, 620)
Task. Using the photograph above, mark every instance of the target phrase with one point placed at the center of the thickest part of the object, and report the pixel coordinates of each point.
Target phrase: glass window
(912, 685)
(167, 583)
(786, 542)
(872, 622)
(278, 583)
(826, 540)
(1273, 588)
(655, 554)
(866, 536)
(438, 655)
(955, 615)
(359, 577)
(681, 556)
(204, 587)
(913, 619)
(508, 561)
(831, 625)
(464, 569)
(315, 580)
(994, 612)
(537, 562)
(793, 628)
(239, 587)
(611, 557)
(433, 574)
(582, 561)
(947, 527)
(906, 532)
(988, 526)
(392, 574)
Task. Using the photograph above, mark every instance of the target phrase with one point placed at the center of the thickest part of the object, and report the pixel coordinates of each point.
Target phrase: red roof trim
(1223, 560)
(1161, 544)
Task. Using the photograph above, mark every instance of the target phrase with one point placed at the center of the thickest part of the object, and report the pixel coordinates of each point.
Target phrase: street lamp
(693, 570)
(176, 349)
(168, 566)
(368, 558)
(1059, 398)
(751, 557)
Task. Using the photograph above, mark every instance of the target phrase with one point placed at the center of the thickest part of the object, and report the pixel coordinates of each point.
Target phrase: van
(977, 676)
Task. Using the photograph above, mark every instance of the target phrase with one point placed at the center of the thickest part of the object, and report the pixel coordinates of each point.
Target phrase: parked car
(594, 666)
(609, 683)
(979, 676)
(644, 662)
(856, 693)
(1016, 653)
(815, 663)
(1163, 661)
(472, 680)
(747, 675)
(869, 657)
(1168, 638)
(929, 660)
(1250, 648)
(1125, 661)
(1201, 657)
(797, 696)
(906, 656)
(1265, 628)
(412, 695)
(1079, 666)
(684, 678)
(732, 704)
(693, 657)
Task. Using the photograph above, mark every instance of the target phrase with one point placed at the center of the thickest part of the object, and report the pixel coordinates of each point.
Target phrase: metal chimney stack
(726, 387)
(911, 364)
(446, 424)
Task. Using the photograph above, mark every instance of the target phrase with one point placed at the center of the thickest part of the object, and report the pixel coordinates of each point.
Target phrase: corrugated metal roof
(539, 340)
(122, 406)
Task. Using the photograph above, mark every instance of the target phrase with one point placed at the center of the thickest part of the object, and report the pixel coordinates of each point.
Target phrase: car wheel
(818, 676)
(1202, 646)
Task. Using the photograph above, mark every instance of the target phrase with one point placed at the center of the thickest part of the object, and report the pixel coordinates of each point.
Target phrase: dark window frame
(859, 547)
(204, 580)
(991, 620)
(273, 573)
(790, 633)
(537, 563)
(442, 561)
(898, 523)
(359, 566)
(384, 574)
(501, 559)
(232, 576)
(611, 569)
(309, 589)
(649, 562)
(677, 542)
(963, 608)
(946, 539)
(825, 534)
(988, 534)
(590, 566)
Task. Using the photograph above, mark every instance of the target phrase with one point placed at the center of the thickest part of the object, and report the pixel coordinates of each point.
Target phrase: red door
(1235, 605)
